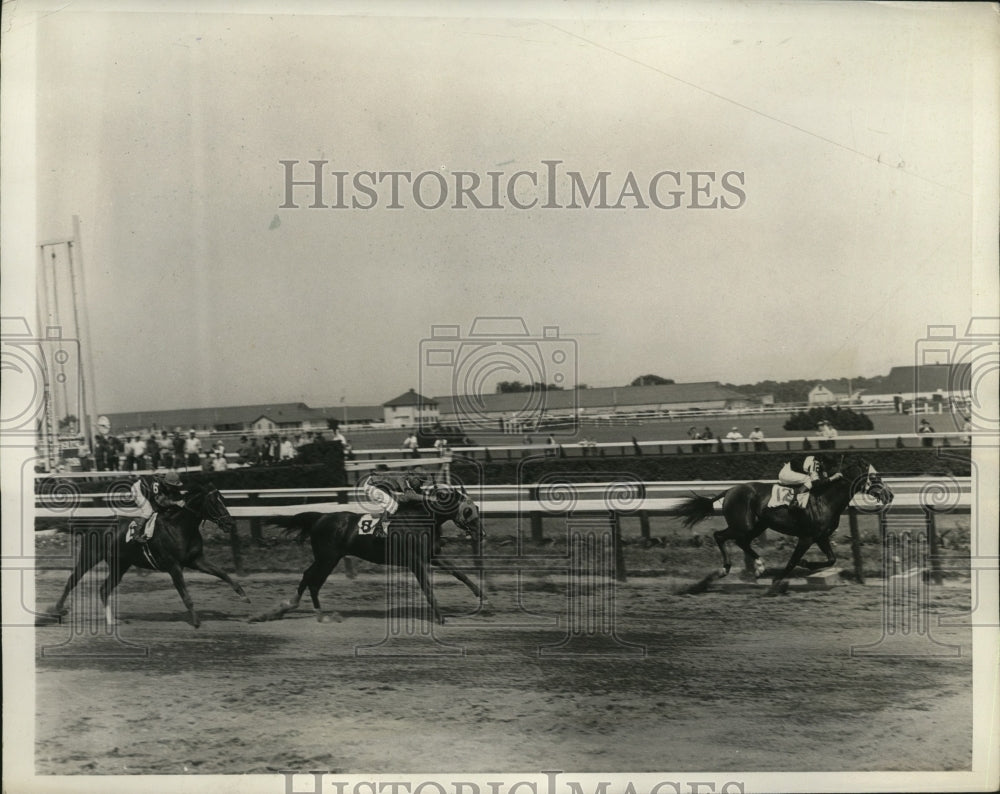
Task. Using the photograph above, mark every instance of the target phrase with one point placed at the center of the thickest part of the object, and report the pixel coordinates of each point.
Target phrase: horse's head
(207, 503)
(454, 504)
(866, 481)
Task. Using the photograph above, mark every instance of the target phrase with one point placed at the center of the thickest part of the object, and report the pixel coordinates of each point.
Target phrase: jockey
(801, 474)
(389, 491)
(152, 493)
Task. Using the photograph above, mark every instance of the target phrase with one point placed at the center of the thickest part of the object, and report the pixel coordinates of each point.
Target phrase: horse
(176, 544)
(747, 516)
(334, 536)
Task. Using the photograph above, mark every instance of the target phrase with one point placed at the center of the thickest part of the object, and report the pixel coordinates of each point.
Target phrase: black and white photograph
(501, 397)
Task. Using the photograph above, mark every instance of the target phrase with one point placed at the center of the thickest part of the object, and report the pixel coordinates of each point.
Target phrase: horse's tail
(696, 508)
(299, 526)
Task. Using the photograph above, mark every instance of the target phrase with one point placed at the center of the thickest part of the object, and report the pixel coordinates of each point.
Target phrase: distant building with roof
(600, 402)
(934, 382)
(258, 419)
(831, 392)
(411, 409)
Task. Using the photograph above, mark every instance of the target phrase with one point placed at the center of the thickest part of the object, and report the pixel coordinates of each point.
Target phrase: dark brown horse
(413, 542)
(176, 544)
(747, 516)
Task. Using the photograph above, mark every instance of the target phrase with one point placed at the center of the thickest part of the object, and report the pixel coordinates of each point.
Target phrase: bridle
(216, 513)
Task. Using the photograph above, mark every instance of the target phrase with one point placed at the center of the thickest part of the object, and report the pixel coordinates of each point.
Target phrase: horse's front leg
(825, 547)
(779, 585)
(485, 607)
(203, 565)
(422, 570)
(177, 575)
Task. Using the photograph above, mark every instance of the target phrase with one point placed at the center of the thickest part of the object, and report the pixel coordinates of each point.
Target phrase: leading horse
(176, 544)
(334, 536)
(747, 516)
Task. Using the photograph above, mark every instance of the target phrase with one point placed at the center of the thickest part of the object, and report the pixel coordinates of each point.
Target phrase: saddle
(783, 496)
(137, 527)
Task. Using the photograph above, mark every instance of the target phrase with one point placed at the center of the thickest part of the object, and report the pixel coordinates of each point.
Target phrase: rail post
(621, 574)
(537, 530)
(859, 566)
(644, 524)
(933, 547)
(256, 525)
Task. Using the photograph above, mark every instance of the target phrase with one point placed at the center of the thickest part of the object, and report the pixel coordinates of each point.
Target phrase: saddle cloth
(370, 524)
(782, 496)
(138, 526)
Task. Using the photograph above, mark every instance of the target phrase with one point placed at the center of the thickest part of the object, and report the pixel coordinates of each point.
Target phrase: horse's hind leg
(321, 571)
(108, 586)
(177, 575)
(82, 566)
(203, 565)
(720, 540)
(290, 604)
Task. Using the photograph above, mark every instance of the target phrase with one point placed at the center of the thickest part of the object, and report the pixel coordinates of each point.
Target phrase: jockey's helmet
(171, 479)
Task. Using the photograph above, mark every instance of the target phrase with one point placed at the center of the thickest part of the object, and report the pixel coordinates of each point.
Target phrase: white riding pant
(381, 500)
(793, 479)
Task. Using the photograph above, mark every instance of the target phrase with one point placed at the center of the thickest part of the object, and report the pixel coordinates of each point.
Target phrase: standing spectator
(83, 454)
(734, 435)
(153, 451)
(166, 446)
(192, 449)
(219, 457)
(411, 445)
(138, 453)
(757, 437)
(287, 449)
(925, 427)
(179, 444)
(342, 439)
(828, 434)
(441, 445)
(253, 453)
(550, 447)
(104, 456)
(966, 437)
(707, 433)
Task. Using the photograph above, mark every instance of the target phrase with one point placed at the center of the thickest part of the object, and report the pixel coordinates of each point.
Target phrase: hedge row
(713, 466)
(718, 466)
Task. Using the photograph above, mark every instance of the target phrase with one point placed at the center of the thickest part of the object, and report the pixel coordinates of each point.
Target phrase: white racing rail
(555, 496)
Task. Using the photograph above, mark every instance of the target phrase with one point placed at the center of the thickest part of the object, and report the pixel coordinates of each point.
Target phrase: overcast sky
(852, 128)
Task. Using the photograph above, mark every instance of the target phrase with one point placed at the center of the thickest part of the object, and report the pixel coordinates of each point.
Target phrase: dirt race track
(729, 681)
